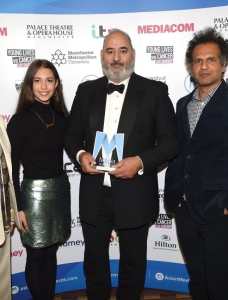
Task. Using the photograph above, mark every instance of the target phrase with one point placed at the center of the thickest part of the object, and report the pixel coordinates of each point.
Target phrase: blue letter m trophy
(107, 153)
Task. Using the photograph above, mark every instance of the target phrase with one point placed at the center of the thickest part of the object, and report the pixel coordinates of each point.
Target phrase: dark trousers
(205, 248)
(132, 265)
(40, 272)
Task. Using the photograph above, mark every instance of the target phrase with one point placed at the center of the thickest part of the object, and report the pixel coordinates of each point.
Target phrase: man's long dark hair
(26, 97)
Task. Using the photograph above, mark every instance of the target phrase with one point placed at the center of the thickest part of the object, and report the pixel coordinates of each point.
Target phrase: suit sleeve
(74, 135)
(16, 137)
(167, 145)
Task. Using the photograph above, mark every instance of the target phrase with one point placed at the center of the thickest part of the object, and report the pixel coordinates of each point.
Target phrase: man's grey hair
(114, 30)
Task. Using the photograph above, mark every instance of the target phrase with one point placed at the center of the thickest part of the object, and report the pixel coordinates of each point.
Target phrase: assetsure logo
(100, 31)
(173, 28)
(3, 31)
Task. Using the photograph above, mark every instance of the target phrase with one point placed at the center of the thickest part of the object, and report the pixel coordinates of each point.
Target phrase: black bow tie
(112, 87)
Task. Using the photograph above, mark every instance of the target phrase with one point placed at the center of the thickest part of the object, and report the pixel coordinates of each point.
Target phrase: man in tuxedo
(196, 187)
(119, 104)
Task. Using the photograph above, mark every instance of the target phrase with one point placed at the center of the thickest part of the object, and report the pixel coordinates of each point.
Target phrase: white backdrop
(73, 44)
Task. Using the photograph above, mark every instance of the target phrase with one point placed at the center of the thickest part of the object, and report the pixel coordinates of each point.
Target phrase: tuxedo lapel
(97, 103)
(131, 105)
(129, 112)
(185, 119)
(214, 103)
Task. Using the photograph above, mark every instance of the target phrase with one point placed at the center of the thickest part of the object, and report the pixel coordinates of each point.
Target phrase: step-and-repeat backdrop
(71, 37)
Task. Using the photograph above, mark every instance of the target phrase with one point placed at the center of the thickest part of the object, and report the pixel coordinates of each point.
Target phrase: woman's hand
(23, 221)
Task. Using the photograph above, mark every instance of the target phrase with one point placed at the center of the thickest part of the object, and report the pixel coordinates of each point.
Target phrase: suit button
(186, 176)
(189, 156)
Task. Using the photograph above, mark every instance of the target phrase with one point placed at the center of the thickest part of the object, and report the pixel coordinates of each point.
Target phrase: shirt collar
(210, 94)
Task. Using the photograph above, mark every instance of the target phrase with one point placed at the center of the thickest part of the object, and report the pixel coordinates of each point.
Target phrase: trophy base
(102, 168)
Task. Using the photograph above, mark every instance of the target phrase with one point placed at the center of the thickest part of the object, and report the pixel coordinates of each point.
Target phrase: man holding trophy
(121, 128)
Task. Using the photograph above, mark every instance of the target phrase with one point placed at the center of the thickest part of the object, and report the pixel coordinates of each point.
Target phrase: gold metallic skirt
(46, 204)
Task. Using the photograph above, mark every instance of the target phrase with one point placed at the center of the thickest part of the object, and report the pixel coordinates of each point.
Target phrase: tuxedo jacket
(5, 144)
(149, 125)
(200, 172)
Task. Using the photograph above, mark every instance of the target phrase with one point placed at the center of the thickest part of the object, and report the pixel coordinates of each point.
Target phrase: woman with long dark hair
(36, 134)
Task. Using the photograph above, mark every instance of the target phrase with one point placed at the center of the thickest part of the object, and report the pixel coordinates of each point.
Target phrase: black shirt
(40, 150)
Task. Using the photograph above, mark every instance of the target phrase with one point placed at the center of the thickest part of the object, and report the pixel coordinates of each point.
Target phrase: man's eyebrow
(122, 48)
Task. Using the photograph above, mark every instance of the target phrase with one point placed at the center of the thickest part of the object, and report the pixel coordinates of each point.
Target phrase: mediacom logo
(3, 31)
(165, 28)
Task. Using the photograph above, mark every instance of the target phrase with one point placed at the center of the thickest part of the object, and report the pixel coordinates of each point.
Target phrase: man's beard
(118, 76)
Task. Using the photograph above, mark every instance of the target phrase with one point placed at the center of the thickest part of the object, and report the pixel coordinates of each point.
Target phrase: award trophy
(107, 153)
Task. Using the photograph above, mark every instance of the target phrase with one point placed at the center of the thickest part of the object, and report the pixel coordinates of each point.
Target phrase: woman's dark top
(40, 150)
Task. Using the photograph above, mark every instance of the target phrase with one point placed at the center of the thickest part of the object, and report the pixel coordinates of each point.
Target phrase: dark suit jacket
(201, 170)
(147, 115)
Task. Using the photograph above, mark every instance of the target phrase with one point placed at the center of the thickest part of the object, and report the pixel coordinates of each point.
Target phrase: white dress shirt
(113, 108)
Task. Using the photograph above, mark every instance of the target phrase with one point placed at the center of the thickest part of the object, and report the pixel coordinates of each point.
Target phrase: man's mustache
(117, 63)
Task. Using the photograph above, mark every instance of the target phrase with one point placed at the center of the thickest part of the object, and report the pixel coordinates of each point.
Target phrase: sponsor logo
(221, 24)
(75, 223)
(17, 253)
(50, 31)
(58, 58)
(66, 279)
(160, 54)
(165, 237)
(164, 221)
(15, 289)
(158, 78)
(160, 276)
(89, 78)
(100, 32)
(161, 195)
(70, 169)
(80, 57)
(164, 245)
(189, 83)
(114, 240)
(165, 28)
(18, 85)
(114, 275)
(75, 243)
(22, 57)
(6, 118)
(3, 31)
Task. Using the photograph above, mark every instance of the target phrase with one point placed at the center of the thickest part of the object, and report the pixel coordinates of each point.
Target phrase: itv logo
(101, 32)
(3, 31)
